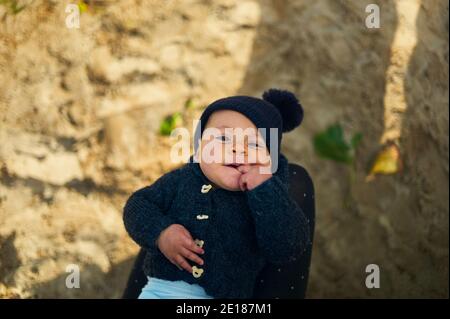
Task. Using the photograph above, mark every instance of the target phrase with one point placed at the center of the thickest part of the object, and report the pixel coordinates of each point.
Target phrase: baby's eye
(253, 145)
(223, 138)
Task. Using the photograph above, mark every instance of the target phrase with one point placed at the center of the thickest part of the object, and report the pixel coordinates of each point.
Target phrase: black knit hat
(277, 109)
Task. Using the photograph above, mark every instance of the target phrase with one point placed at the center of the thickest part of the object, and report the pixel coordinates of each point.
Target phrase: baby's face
(229, 140)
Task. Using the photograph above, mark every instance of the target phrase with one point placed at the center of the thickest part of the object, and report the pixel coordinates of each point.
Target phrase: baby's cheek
(208, 171)
(260, 156)
(230, 181)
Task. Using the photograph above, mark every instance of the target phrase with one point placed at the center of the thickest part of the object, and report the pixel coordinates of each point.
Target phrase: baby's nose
(240, 155)
(240, 150)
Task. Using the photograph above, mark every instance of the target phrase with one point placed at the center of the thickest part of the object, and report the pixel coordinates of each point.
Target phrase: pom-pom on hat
(278, 109)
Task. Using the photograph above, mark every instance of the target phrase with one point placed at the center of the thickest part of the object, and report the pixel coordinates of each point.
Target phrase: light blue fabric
(165, 289)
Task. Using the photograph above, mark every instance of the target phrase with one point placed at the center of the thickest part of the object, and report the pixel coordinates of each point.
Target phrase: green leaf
(82, 6)
(189, 104)
(356, 139)
(13, 5)
(169, 124)
(16, 9)
(331, 144)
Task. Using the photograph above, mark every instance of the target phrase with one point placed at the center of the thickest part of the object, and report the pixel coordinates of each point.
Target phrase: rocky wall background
(80, 111)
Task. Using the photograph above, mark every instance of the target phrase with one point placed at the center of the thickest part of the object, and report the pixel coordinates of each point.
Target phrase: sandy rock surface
(80, 111)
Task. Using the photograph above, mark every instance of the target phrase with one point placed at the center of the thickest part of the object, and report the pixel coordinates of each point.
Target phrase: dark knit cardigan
(240, 230)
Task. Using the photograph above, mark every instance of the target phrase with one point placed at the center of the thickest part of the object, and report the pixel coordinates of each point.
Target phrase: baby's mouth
(233, 165)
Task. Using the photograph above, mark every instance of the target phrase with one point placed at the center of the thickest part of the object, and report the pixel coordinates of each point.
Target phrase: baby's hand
(176, 243)
(252, 176)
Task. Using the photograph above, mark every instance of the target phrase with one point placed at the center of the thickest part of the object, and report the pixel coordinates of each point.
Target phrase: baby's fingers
(244, 168)
(243, 182)
(186, 232)
(180, 261)
(190, 245)
(191, 256)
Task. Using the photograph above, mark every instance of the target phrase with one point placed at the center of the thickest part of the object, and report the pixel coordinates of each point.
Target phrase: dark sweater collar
(195, 167)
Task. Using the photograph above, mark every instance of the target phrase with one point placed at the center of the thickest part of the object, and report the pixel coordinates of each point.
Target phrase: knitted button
(199, 242)
(206, 188)
(197, 272)
(200, 217)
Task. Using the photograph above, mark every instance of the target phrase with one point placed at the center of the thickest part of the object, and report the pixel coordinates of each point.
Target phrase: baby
(209, 227)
